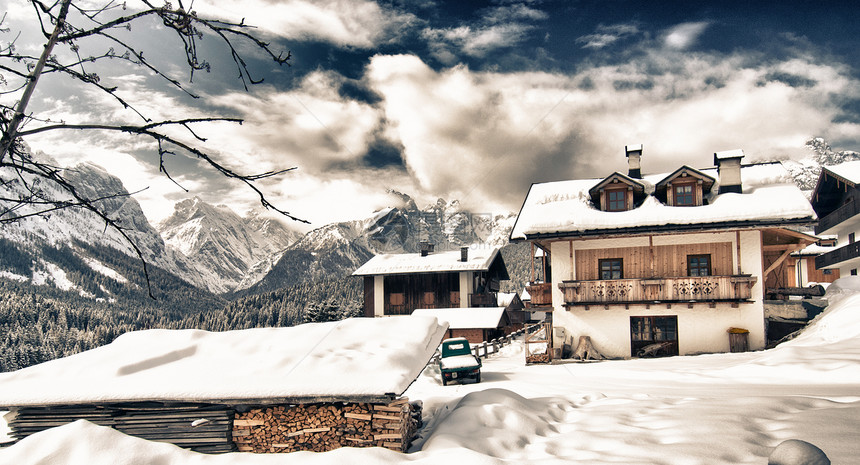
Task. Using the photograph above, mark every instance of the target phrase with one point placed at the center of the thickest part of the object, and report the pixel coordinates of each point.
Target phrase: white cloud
(607, 35)
(684, 35)
(347, 23)
(484, 137)
(497, 28)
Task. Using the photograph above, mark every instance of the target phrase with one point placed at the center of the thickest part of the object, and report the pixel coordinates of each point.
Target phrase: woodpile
(199, 427)
(537, 358)
(326, 426)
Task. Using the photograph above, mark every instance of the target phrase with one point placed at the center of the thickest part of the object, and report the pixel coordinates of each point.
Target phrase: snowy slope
(71, 226)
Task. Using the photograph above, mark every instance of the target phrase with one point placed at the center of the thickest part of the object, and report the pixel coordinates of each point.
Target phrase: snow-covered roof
(814, 250)
(465, 318)
(525, 296)
(558, 208)
(850, 171)
(479, 259)
(317, 361)
(505, 298)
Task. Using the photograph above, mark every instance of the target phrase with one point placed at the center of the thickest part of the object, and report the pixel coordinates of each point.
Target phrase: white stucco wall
(701, 329)
(378, 295)
(465, 288)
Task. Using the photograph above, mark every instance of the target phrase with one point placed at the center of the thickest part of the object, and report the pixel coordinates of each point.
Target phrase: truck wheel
(478, 378)
(444, 381)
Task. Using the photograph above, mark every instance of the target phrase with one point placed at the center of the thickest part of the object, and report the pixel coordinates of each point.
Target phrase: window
(684, 195)
(616, 200)
(698, 265)
(853, 271)
(850, 238)
(653, 336)
(611, 268)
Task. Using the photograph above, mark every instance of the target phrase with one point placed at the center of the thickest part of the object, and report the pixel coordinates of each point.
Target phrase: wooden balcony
(541, 294)
(844, 253)
(652, 290)
(843, 213)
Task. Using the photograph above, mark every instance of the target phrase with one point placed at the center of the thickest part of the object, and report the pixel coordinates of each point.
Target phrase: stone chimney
(464, 254)
(728, 165)
(426, 248)
(634, 154)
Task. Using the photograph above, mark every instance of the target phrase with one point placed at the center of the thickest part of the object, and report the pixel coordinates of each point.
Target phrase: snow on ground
(707, 409)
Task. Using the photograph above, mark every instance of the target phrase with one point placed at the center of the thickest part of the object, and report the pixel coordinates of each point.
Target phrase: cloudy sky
(470, 100)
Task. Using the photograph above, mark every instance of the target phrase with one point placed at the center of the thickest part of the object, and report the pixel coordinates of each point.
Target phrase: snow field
(699, 410)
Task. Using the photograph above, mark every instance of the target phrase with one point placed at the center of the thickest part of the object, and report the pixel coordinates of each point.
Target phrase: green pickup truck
(457, 361)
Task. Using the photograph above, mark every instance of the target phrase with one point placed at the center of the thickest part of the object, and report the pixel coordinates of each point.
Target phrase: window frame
(692, 194)
(699, 257)
(612, 269)
(623, 201)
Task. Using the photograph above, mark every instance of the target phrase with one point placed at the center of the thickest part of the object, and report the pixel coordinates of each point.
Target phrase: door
(653, 336)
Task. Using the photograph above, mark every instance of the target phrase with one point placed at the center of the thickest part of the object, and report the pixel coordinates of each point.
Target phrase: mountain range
(214, 249)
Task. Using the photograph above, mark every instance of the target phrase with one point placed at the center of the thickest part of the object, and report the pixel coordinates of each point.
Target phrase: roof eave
(670, 228)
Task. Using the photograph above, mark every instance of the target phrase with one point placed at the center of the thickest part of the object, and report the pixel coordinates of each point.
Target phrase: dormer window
(617, 193)
(685, 195)
(616, 200)
(685, 187)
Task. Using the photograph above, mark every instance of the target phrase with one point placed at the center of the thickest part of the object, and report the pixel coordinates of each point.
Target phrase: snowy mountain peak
(237, 250)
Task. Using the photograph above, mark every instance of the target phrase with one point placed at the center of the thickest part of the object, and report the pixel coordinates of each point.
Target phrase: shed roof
(563, 208)
(479, 259)
(466, 318)
(307, 363)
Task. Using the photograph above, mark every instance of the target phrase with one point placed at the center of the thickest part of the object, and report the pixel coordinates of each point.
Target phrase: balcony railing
(672, 289)
(839, 255)
(541, 294)
(837, 216)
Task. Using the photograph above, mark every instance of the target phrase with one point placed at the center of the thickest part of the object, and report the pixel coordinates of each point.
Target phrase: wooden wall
(667, 260)
(818, 276)
(425, 290)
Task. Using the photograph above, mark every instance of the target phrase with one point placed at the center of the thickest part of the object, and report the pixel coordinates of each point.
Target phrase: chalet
(665, 264)
(836, 200)
(257, 390)
(397, 284)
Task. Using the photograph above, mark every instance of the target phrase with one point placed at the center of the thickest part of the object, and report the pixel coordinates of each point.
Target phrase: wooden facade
(405, 293)
(655, 261)
(398, 284)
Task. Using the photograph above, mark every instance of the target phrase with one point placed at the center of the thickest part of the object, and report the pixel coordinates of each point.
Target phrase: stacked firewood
(326, 426)
(537, 358)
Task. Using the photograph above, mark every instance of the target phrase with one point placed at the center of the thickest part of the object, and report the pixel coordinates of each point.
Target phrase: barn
(257, 390)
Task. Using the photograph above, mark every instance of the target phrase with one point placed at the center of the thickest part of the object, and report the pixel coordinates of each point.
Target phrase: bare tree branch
(65, 22)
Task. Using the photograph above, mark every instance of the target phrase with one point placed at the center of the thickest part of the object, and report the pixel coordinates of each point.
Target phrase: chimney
(464, 254)
(634, 153)
(728, 165)
(426, 248)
